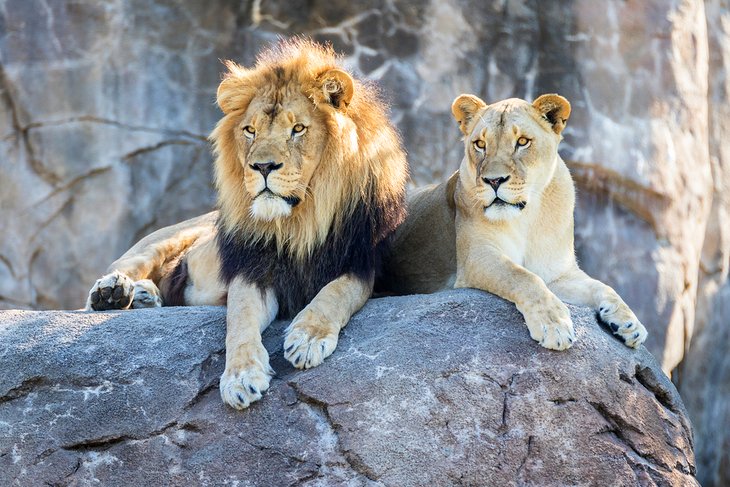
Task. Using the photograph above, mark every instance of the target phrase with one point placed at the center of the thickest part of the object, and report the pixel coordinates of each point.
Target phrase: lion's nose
(496, 182)
(266, 167)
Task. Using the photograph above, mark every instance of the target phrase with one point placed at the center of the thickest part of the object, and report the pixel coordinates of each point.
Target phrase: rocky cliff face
(447, 389)
(105, 108)
(704, 376)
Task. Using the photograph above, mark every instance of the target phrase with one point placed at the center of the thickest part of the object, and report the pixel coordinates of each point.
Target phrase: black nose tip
(496, 182)
(266, 167)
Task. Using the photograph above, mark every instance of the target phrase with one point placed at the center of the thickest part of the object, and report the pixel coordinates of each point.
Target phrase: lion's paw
(239, 387)
(309, 340)
(617, 315)
(146, 295)
(551, 326)
(113, 291)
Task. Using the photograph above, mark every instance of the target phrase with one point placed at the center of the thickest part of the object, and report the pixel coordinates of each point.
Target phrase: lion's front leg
(247, 373)
(546, 317)
(576, 287)
(313, 334)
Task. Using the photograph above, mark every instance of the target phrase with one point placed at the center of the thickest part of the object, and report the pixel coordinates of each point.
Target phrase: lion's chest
(353, 248)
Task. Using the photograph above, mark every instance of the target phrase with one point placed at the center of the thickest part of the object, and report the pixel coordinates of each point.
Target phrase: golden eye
(249, 131)
(480, 144)
(298, 129)
(523, 142)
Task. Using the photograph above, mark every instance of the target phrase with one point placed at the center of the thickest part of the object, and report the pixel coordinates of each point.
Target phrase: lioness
(504, 223)
(311, 184)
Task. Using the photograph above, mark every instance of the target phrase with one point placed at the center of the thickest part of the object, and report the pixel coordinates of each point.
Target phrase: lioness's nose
(266, 167)
(494, 183)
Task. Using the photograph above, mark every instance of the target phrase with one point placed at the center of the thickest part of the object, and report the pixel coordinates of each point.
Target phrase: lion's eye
(249, 131)
(480, 145)
(298, 130)
(523, 142)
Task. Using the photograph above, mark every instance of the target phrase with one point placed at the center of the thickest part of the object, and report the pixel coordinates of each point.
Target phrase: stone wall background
(105, 107)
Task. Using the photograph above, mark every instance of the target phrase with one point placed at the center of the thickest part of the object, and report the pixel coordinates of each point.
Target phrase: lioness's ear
(555, 109)
(337, 88)
(234, 91)
(464, 109)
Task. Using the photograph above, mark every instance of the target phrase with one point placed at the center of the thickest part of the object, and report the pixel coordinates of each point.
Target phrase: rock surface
(446, 389)
(704, 376)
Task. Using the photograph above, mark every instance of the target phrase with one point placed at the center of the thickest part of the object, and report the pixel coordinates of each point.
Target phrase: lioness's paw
(551, 326)
(309, 340)
(112, 291)
(239, 387)
(623, 322)
(146, 295)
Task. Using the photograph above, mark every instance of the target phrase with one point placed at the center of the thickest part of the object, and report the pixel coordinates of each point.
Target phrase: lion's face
(278, 122)
(510, 150)
(280, 143)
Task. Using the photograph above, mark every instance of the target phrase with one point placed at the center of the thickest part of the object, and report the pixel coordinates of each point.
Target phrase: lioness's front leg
(576, 287)
(313, 334)
(547, 318)
(248, 373)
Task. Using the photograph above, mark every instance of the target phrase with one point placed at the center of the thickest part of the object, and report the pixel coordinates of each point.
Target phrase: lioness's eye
(298, 129)
(523, 142)
(249, 131)
(480, 145)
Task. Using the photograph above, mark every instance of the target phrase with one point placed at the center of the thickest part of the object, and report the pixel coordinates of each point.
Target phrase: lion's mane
(355, 199)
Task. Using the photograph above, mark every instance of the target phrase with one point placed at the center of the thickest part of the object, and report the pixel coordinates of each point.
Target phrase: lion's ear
(555, 109)
(464, 109)
(337, 88)
(235, 91)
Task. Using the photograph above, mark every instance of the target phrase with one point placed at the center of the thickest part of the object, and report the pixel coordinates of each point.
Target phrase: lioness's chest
(535, 250)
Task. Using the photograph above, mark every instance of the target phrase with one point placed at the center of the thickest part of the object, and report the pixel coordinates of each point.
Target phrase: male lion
(311, 176)
(504, 223)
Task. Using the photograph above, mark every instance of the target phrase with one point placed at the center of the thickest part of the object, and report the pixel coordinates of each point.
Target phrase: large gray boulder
(446, 389)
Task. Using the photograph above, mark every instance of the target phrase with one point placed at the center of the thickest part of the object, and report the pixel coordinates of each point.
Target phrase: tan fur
(350, 150)
(423, 257)
(523, 255)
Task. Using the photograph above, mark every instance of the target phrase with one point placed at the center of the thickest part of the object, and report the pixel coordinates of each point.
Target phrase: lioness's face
(510, 150)
(281, 141)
